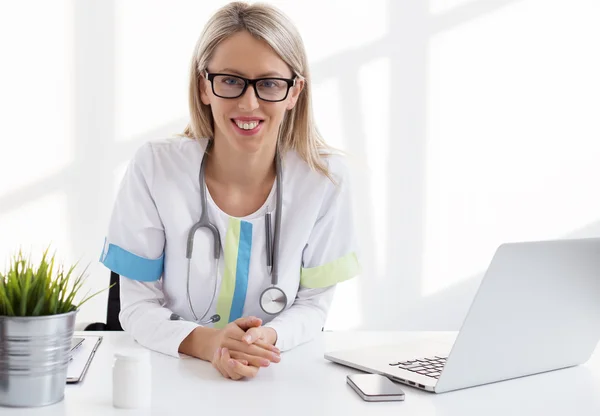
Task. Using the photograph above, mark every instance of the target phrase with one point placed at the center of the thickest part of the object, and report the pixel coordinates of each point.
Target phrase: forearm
(149, 324)
(148, 321)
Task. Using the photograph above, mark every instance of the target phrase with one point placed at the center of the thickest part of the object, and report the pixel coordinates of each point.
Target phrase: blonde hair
(298, 130)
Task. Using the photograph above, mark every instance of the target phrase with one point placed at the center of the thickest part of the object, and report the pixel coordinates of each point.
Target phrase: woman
(278, 201)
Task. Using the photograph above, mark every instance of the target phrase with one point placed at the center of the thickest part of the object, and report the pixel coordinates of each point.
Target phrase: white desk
(306, 384)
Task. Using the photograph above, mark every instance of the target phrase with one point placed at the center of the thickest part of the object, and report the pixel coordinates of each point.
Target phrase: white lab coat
(157, 204)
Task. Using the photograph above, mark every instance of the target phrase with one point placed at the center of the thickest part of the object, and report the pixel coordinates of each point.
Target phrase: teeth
(246, 126)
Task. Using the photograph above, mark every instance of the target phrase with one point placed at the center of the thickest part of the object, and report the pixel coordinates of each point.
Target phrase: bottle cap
(133, 354)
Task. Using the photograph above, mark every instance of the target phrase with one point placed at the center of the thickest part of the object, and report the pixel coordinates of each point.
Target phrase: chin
(247, 144)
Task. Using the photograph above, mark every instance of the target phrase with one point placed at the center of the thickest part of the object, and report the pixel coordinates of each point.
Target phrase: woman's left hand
(260, 333)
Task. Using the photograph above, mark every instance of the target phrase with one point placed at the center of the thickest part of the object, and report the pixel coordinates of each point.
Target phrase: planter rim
(40, 317)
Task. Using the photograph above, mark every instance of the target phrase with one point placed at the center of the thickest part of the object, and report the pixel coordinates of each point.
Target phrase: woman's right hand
(230, 368)
(233, 357)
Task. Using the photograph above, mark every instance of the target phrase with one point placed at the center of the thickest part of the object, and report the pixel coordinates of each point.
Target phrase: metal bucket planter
(34, 355)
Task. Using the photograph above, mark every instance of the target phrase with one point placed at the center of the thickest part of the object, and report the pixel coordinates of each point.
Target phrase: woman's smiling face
(247, 123)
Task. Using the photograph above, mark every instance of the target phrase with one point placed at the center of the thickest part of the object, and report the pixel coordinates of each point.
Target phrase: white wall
(470, 123)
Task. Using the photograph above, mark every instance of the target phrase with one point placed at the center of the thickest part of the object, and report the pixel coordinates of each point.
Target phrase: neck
(236, 169)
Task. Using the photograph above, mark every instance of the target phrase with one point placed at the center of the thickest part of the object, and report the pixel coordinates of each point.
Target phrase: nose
(248, 101)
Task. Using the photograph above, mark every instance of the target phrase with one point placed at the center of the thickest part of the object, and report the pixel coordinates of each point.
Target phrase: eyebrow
(263, 75)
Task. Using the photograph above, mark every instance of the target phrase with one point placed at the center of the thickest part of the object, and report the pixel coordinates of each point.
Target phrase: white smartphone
(375, 387)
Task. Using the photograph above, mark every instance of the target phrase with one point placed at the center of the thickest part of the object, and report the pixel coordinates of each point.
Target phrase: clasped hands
(242, 347)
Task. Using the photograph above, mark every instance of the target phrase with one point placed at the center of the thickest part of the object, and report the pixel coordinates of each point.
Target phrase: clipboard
(82, 358)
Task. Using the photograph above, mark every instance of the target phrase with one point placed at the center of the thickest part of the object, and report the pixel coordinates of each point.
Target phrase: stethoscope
(272, 300)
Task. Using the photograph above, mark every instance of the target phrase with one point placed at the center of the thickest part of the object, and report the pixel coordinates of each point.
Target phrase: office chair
(113, 308)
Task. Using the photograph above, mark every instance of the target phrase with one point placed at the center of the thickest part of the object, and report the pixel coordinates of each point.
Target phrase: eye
(271, 84)
(231, 81)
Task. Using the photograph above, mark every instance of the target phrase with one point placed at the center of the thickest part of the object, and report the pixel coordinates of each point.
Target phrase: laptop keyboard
(430, 367)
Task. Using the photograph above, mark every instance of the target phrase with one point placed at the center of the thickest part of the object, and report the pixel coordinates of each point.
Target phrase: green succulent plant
(29, 289)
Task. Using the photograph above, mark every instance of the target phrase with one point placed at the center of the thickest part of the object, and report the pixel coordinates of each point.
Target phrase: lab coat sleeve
(147, 320)
(330, 257)
(134, 249)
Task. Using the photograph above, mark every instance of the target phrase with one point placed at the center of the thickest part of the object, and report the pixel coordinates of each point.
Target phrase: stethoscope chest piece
(273, 300)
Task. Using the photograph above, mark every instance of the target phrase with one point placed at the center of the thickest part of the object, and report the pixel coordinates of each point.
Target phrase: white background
(469, 123)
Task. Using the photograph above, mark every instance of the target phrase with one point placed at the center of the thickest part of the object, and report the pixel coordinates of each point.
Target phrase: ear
(204, 87)
(295, 93)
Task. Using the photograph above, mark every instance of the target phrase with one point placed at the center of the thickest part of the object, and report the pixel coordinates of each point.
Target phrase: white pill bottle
(132, 379)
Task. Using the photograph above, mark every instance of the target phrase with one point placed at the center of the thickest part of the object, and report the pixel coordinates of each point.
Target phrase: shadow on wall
(394, 300)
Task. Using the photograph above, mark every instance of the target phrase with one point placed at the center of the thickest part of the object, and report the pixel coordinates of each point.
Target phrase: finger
(223, 360)
(273, 356)
(216, 363)
(240, 366)
(268, 346)
(253, 334)
(253, 349)
(223, 367)
(219, 365)
(248, 322)
(250, 359)
(243, 370)
(256, 336)
(228, 364)
(233, 341)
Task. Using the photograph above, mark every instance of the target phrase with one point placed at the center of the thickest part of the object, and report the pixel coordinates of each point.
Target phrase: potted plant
(38, 307)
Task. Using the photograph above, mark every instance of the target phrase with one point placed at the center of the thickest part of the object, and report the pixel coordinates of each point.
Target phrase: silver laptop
(537, 309)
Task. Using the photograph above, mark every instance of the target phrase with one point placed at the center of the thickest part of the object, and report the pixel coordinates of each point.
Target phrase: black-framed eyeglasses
(233, 86)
